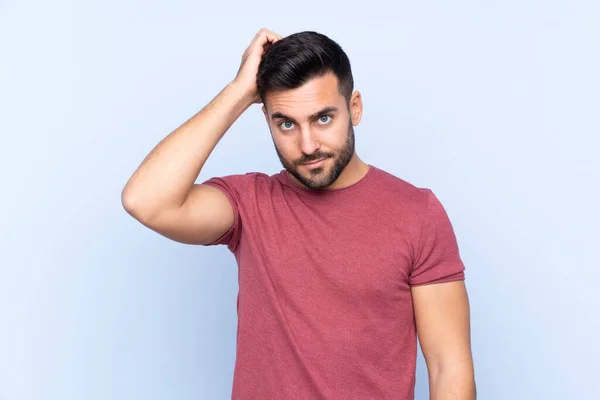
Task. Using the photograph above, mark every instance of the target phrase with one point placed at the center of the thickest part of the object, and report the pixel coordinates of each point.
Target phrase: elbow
(456, 378)
(128, 201)
(134, 206)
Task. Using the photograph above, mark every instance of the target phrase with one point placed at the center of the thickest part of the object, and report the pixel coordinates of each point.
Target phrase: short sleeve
(237, 189)
(437, 257)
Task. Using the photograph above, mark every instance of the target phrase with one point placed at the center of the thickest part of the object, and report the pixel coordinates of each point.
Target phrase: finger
(263, 40)
(277, 35)
(270, 36)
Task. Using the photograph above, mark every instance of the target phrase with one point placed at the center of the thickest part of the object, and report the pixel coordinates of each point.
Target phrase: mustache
(314, 157)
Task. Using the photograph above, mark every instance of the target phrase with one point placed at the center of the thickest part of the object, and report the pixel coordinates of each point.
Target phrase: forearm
(166, 175)
(452, 383)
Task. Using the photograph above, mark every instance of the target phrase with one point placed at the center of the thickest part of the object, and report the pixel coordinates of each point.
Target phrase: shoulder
(239, 178)
(402, 191)
(243, 183)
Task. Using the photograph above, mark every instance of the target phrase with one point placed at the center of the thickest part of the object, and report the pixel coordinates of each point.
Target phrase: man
(340, 263)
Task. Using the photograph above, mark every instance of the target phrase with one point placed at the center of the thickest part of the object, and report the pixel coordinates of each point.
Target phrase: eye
(284, 125)
(288, 125)
(325, 116)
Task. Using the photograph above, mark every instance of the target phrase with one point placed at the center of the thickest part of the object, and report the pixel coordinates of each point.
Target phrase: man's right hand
(246, 76)
(162, 193)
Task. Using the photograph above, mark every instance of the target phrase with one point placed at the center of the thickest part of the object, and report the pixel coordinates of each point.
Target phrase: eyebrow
(326, 110)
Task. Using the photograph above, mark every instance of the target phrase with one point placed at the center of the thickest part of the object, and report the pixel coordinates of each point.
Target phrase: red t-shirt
(324, 304)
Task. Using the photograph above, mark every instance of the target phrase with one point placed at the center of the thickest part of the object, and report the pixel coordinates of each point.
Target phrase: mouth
(316, 163)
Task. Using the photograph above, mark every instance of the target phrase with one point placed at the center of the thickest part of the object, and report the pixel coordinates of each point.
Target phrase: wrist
(241, 91)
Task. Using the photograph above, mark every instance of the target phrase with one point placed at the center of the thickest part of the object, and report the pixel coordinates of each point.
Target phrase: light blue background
(493, 105)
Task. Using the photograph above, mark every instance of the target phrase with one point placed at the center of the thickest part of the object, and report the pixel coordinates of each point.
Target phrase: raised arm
(161, 193)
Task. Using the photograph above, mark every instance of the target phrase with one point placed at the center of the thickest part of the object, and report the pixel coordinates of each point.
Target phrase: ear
(356, 107)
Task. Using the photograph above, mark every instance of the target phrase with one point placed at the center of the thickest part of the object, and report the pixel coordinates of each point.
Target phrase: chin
(317, 178)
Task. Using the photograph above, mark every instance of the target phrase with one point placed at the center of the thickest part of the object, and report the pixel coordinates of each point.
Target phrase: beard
(319, 178)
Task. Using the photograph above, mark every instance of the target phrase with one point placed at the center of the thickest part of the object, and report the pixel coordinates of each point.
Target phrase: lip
(316, 164)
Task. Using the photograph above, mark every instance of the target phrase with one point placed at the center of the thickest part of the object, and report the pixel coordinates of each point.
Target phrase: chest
(359, 255)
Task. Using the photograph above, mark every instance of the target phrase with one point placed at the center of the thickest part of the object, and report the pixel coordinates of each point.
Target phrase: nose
(309, 142)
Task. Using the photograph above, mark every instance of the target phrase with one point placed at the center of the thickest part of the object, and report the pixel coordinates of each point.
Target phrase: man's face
(310, 123)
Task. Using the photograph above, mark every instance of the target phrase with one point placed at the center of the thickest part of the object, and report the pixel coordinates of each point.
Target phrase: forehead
(315, 94)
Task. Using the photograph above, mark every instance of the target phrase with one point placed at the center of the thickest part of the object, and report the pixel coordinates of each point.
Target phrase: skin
(299, 139)
(442, 318)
